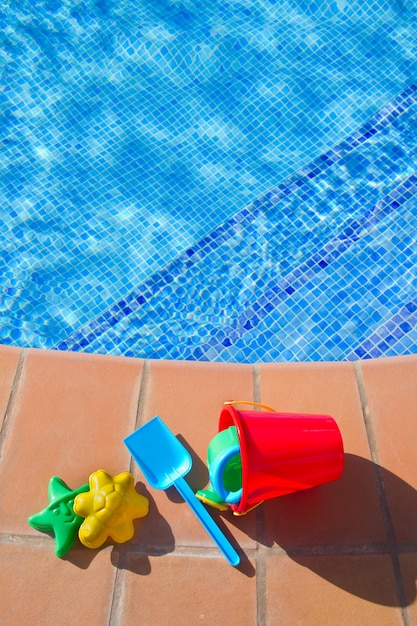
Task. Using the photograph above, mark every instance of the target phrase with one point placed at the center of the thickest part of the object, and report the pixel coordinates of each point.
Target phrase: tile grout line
(8, 539)
(260, 559)
(143, 388)
(382, 496)
(5, 427)
(143, 392)
(140, 402)
(116, 603)
(256, 382)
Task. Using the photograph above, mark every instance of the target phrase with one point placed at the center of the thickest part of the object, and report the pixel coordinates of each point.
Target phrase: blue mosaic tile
(122, 203)
(352, 312)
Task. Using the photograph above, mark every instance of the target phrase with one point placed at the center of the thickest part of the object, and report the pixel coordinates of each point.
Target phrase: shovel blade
(158, 453)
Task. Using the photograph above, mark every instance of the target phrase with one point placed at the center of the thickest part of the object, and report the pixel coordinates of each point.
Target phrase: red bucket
(283, 452)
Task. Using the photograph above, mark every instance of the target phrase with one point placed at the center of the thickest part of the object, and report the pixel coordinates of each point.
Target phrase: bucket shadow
(338, 532)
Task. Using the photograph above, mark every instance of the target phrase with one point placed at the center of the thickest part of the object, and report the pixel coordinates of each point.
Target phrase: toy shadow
(345, 532)
(134, 554)
(342, 531)
(198, 478)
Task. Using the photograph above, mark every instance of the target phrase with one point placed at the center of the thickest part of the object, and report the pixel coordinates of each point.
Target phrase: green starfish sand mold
(59, 516)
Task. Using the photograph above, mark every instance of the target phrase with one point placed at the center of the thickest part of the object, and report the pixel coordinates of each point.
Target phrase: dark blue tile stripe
(277, 292)
(134, 300)
(388, 334)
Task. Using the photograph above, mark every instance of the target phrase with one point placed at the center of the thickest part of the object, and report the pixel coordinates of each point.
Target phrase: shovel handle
(207, 521)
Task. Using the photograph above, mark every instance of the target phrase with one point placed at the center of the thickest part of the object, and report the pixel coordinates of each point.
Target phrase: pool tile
(189, 397)
(366, 175)
(38, 588)
(187, 590)
(328, 590)
(9, 360)
(391, 394)
(343, 512)
(69, 416)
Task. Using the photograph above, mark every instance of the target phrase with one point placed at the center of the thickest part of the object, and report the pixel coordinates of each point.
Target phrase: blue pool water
(222, 181)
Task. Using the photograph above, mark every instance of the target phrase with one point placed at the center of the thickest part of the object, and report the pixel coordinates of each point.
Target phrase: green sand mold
(59, 516)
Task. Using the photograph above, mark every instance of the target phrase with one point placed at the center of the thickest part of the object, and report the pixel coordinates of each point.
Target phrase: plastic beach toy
(279, 453)
(59, 516)
(109, 509)
(225, 468)
(164, 461)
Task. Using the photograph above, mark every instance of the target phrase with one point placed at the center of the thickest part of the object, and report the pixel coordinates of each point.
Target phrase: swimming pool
(210, 181)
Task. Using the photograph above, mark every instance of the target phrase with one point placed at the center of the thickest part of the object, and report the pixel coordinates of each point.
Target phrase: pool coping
(353, 543)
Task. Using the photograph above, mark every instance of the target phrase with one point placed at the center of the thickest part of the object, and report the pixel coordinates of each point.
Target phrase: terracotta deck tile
(69, 417)
(189, 398)
(345, 590)
(343, 512)
(9, 360)
(38, 588)
(391, 394)
(186, 590)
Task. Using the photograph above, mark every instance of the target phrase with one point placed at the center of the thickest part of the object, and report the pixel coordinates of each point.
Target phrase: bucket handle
(257, 404)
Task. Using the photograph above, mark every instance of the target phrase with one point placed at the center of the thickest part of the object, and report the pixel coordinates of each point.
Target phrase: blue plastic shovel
(164, 461)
